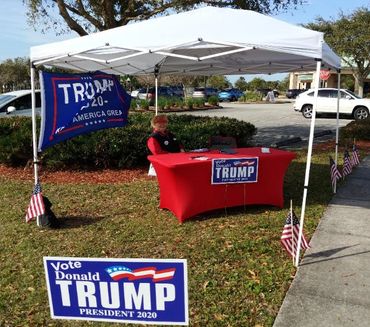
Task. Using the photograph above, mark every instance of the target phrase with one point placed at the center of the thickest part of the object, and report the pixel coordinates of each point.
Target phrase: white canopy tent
(205, 41)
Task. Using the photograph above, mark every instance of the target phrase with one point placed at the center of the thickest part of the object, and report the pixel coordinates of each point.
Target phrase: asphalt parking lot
(276, 122)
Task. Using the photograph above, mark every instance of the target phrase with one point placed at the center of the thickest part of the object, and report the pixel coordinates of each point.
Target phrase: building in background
(306, 80)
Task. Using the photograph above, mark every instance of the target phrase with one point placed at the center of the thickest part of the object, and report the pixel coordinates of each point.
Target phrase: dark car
(292, 93)
(229, 95)
(177, 91)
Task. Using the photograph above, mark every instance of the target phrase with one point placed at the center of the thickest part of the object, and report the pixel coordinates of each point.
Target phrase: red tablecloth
(186, 189)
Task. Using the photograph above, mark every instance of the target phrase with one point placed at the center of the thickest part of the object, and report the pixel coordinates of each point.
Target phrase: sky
(17, 37)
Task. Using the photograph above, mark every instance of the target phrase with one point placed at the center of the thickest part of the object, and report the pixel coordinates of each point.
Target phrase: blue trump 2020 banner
(235, 170)
(146, 291)
(75, 104)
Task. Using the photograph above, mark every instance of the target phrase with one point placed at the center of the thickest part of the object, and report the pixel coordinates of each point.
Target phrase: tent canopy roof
(205, 41)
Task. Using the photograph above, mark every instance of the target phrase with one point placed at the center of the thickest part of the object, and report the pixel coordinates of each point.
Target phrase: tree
(349, 37)
(218, 82)
(257, 83)
(284, 84)
(241, 84)
(86, 16)
(274, 85)
(14, 74)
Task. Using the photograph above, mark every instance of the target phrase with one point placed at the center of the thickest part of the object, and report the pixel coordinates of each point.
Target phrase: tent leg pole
(156, 95)
(34, 136)
(308, 164)
(156, 73)
(337, 131)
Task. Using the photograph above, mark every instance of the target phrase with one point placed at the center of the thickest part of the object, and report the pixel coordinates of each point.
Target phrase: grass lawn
(237, 270)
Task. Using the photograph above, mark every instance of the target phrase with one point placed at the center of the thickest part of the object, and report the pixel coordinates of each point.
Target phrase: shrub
(178, 102)
(358, 129)
(195, 133)
(15, 140)
(199, 102)
(190, 103)
(213, 100)
(161, 102)
(115, 147)
(133, 104)
(144, 104)
(169, 102)
(251, 96)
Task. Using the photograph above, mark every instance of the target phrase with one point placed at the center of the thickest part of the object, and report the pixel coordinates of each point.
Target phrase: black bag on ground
(48, 219)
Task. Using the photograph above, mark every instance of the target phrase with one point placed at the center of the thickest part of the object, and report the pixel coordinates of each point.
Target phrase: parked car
(204, 92)
(177, 91)
(149, 93)
(229, 95)
(350, 104)
(292, 93)
(134, 93)
(18, 103)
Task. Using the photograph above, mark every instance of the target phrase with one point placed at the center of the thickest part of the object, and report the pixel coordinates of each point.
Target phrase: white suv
(349, 104)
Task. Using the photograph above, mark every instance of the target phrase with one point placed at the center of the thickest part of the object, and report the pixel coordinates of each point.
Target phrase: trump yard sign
(235, 170)
(145, 291)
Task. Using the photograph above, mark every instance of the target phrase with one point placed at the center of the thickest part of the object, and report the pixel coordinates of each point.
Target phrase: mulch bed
(330, 145)
(110, 176)
(106, 176)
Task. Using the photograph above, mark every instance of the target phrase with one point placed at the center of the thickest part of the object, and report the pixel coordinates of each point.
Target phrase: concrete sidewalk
(332, 284)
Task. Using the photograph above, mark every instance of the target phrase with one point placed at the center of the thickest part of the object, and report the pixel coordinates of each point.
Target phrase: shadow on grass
(70, 222)
(233, 211)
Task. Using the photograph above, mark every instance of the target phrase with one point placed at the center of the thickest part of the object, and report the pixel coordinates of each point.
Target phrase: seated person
(161, 140)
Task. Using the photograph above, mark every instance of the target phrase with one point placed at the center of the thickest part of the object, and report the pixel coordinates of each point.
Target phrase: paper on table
(199, 158)
(200, 150)
(265, 150)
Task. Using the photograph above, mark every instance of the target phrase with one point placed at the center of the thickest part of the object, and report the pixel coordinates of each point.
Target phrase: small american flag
(36, 206)
(347, 164)
(355, 156)
(334, 173)
(289, 238)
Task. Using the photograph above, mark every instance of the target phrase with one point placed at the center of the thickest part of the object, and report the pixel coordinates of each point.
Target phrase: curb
(287, 142)
(298, 139)
(322, 133)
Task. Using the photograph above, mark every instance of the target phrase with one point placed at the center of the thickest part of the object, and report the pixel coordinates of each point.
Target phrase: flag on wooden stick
(36, 206)
(355, 156)
(347, 164)
(334, 173)
(289, 237)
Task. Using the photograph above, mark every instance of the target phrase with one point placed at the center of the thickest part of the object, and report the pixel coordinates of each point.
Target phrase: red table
(186, 189)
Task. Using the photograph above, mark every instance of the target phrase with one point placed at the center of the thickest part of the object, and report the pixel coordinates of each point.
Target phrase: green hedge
(251, 96)
(116, 147)
(358, 129)
(15, 140)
